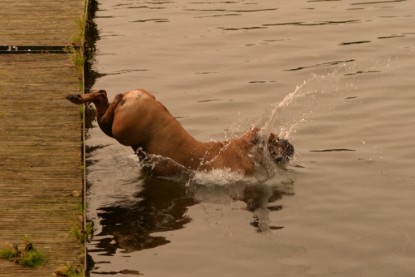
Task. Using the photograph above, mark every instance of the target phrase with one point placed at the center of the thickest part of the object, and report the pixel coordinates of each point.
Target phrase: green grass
(81, 235)
(9, 253)
(78, 60)
(79, 37)
(68, 270)
(76, 50)
(30, 256)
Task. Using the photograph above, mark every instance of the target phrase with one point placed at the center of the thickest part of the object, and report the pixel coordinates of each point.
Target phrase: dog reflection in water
(165, 148)
(161, 205)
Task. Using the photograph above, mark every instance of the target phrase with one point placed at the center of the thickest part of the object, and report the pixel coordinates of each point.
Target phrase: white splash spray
(267, 128)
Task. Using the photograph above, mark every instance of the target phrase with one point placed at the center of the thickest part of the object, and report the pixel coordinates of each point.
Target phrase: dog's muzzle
(280, 150)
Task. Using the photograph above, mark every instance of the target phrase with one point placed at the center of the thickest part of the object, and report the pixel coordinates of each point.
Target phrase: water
(334, 77)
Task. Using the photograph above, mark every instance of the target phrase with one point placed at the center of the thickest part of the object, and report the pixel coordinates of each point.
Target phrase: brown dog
(138, 120)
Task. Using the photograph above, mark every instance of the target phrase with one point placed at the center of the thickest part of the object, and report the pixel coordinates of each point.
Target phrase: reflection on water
(161, 205)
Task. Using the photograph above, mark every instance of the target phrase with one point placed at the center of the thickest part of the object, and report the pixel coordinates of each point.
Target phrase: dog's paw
(74, 98)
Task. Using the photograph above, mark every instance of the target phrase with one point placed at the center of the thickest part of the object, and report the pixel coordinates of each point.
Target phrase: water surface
(340, 76)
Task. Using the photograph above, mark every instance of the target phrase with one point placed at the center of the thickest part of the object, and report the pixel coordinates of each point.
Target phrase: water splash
(219, 177)
(267, 128)
(318, 91)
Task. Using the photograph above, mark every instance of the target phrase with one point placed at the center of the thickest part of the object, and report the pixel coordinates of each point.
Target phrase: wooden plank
(40, 157)
(40, 132)
(40, 22)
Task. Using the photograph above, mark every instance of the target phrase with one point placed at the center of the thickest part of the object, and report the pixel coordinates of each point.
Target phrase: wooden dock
(40, 132)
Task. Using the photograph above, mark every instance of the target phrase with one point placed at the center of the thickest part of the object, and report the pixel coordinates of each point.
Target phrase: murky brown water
(346, 205)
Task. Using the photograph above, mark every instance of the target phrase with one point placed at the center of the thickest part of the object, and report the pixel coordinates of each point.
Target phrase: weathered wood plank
(40, 158)
(40, 133)
(40, 22)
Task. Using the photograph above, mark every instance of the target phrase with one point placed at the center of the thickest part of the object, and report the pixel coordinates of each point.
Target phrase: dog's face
(280, 150)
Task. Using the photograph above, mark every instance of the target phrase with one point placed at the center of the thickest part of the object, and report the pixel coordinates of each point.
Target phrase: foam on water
(219, 177)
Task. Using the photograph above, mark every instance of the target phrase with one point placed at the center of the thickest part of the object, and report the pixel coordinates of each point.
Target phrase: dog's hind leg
(105, 110)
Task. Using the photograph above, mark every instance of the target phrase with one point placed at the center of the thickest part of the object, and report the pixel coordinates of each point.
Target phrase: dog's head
(280, 150)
